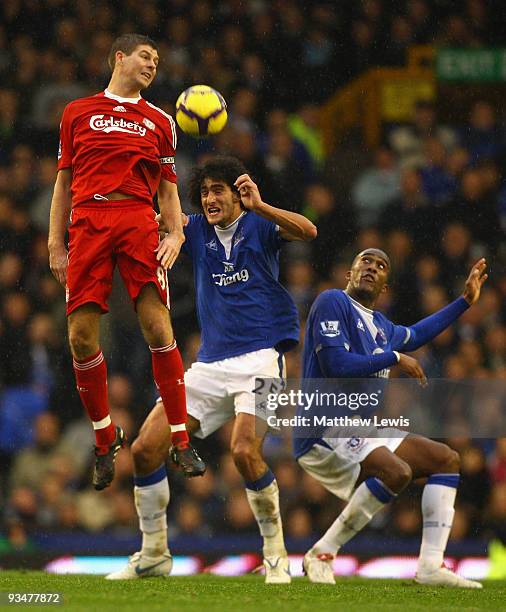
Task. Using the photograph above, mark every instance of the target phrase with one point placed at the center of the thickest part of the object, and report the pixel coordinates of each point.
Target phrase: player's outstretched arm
(292, 225)
(58, 221)
(171, 221)
(427, 329)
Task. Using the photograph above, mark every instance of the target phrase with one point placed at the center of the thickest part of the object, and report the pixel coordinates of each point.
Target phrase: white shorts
(338, 468)
(217, 391)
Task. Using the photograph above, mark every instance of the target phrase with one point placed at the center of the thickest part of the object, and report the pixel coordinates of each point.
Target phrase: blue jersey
(241, 305)
(337, 320)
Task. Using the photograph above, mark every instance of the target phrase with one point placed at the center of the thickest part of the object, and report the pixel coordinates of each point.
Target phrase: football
(200, 111)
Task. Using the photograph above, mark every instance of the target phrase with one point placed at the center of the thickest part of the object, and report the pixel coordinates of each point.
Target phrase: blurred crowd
(432, 195)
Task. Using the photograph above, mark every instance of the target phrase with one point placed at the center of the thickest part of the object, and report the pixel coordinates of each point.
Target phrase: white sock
(152, 497)
(368, 498)
(438, 499)
(264, 503)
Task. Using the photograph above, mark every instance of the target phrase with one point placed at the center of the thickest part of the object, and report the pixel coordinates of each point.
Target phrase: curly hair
(220, 168)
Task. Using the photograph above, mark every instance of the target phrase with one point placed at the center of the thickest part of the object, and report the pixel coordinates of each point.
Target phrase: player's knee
(157, 331)
(398, 477)
(82, 342)
(449, 462)
(243, 453)
(405, 474)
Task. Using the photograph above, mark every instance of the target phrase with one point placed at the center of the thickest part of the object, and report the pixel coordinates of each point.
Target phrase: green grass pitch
(248, 593)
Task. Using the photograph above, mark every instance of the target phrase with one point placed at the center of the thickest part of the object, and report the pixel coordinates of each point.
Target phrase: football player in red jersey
(116, 151)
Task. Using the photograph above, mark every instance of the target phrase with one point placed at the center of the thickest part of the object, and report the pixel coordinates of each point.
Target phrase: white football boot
(140, 566)
(277, 570)
(443, 576)
(318, 568)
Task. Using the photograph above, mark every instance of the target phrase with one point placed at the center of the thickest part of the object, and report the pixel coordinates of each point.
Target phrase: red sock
(91, 378)
(168, 372)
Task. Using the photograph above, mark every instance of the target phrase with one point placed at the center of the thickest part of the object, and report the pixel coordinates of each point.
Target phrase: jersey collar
(359, 305)
(224, 229)
(108, 94)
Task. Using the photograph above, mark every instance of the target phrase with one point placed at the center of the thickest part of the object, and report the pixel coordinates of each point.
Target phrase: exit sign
(471, 65)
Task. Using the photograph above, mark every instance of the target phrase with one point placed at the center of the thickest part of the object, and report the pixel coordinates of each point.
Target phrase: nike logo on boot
(142, 570)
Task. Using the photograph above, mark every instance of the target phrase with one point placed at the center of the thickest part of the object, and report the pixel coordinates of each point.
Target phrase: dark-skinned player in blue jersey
(346, 338)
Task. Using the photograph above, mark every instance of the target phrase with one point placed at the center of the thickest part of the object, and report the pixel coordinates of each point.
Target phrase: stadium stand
(433, 195)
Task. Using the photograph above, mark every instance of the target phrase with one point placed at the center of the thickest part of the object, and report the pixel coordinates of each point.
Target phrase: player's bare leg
(262, 492)
(246, 446)
(426, 457)
(152, 495)
(91, 378)
(84, 331)
(151, 447)
(168, 373)
(441, 465)
(383, 476)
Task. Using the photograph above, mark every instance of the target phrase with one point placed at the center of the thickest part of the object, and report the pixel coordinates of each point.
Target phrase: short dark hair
(221, 168)
(128, 43)
(374, 251)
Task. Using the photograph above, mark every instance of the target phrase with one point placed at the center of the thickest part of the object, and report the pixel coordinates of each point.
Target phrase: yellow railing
(379, 95)
(421, 56)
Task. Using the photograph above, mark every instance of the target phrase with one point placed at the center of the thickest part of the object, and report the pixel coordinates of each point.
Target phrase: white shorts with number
(217, 391)
(338, 468)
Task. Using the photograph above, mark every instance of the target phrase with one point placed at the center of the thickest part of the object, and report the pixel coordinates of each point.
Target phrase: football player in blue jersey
(247, 320)
(347, 338)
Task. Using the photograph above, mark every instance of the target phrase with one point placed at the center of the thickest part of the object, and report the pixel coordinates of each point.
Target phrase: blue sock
(379, 489)
(260, 483)
(151, 479)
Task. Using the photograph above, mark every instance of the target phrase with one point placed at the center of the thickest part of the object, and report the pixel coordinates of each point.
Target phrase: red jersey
(116, 144)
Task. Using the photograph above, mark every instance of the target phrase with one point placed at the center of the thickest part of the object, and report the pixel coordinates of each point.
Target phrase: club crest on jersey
(212, 245)
(355, 443)
(330, 329)
(228, 266)
(238, 238)
(360, 325)
(149, 124)
(100, 123)
(120, 109)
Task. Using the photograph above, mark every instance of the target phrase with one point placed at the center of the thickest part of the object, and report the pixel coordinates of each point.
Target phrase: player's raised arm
(172, 222)
(292, 225)
(427, 329)
(58, 221)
